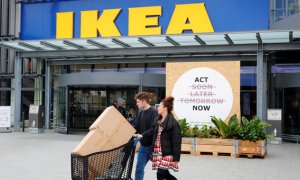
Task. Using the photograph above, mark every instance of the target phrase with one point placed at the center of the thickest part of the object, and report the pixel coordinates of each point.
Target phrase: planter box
(251, 149)
(216, 147)
(188, 145)
(224, 147)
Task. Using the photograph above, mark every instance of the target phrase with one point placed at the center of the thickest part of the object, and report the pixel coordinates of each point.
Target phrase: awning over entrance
(240, 46)
(158, 46)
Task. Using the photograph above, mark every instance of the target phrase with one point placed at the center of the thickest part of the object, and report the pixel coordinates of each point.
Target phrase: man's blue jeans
(144, 154)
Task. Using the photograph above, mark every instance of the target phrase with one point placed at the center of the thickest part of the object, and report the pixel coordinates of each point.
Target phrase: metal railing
(290, 137)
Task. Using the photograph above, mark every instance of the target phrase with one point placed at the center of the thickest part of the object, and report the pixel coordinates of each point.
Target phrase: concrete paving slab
(47, 156)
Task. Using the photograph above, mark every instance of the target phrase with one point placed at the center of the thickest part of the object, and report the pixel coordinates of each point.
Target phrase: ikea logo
(141, 21)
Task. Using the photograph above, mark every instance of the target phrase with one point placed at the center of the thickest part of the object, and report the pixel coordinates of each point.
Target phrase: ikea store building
(74, 58)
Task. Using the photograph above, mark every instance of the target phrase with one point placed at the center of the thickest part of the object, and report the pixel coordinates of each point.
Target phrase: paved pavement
(47, 157)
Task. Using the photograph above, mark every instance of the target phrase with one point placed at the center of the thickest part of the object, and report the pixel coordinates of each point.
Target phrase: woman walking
(166, 144)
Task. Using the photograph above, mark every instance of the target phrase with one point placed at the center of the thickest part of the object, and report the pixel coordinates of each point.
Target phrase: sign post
(274, 117)
(5, 116)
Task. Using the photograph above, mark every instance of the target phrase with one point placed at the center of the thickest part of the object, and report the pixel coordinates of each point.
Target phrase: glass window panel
(132, 41)
(86, 104)
(5, 98)
(274, 37)
(5, 82)
(28, 82)
(38, 44)
(248, 69)
(156, 94)
(57, 70)
(291, 110)
(293, 7)
(296, 34)
(107, 42)
(156, 65)
(16, 45)
(285, 69)
(187, 40)
(213, 39)
(158, 41)
(132, 67)
(156, 68)
(243, 38)
(80, 68)
(33, 82)
(105, 68)
(82, 42)
(61, 121)
(61, 44)
(136, 65)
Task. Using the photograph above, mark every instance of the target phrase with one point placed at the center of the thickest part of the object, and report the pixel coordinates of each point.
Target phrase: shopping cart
(111, 164)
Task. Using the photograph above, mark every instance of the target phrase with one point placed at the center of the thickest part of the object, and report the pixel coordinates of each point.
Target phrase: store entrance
(291, 124)
(87, 103)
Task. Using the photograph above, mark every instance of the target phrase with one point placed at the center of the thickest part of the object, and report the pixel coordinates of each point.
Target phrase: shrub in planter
(227, 131)
(253, 138)
(188, 140)
(205, 132)
(209, 141)
(185, 128)
(252, 130)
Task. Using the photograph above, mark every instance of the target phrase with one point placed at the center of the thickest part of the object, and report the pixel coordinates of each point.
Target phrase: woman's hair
(168, 103)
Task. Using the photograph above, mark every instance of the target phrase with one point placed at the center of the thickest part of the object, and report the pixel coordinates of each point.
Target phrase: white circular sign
(201, 93)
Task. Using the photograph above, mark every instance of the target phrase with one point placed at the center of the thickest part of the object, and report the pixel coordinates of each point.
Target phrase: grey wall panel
(105, 78)
(7, 28)
(34, 65)
(108, 78)
(25, 65)
(3, 60)
(287, 80)
(12, 18)
(291, 22)
(154, 80)
(4, 18)
(11, 60)
(18, 20)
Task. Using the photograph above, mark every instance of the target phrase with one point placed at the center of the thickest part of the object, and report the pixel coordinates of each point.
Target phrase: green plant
(185, 128)
(252, 130)
(206, 132)
(227, 131)
(195, 131)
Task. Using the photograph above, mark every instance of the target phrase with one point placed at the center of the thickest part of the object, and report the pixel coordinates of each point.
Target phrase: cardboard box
(110, 130)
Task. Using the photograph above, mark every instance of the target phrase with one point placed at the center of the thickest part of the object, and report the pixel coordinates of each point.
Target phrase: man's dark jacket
(144, 122)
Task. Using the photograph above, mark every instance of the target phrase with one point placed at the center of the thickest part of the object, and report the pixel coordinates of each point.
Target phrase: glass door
(86, 104)
(291, 124)
(123, 95)
(61, 115)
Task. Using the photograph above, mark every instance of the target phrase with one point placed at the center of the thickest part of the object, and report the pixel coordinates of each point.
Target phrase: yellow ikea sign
(141, 21)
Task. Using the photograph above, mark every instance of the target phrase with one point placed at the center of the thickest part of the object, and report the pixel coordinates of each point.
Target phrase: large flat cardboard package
(110, 130)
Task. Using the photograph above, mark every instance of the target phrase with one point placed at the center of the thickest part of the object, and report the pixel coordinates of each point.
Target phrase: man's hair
(142, 96)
